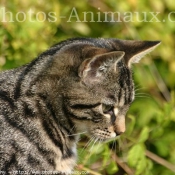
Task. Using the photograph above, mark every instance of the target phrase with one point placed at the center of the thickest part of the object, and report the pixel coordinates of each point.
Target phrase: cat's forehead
(134, 49)
(117, 88)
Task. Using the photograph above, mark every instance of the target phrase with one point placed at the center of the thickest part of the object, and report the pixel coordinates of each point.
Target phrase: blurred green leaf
(136, 153)
(143, 135)
(151, 118)
(112, 168)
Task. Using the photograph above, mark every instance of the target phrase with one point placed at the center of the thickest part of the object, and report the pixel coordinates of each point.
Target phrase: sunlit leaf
(144, 135)
(136, 153)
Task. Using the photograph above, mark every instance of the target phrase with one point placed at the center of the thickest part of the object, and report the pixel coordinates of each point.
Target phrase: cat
(78, 85)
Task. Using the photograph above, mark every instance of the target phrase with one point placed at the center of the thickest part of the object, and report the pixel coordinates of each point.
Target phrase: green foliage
(137, 159)
(151, 119)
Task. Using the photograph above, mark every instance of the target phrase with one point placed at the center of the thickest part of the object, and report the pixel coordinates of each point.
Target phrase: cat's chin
(97, 138)
(102, 139)
(105, 140)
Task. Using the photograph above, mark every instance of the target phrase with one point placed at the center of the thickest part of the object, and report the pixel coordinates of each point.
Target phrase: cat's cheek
(82, 126)
(111, 130)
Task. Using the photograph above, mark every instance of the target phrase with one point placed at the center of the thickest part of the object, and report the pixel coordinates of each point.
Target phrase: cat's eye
(107, 108)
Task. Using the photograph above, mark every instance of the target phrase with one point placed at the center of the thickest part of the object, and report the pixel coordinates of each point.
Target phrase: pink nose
(118, 133)
(120, 125)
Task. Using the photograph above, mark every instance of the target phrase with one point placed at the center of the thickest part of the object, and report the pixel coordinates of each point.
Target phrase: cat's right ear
(93, 70)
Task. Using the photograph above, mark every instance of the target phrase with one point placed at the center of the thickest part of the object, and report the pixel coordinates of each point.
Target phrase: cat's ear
(135, 50)
(93, 69)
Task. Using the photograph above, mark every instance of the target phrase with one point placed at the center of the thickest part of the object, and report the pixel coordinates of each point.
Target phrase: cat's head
(99, 97)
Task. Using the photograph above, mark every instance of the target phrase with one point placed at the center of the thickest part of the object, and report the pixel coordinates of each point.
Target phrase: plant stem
(160, 160)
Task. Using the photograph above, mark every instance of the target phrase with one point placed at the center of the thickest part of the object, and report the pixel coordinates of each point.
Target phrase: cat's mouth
(104, 134)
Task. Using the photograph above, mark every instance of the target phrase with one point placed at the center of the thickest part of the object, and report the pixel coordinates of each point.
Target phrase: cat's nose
(119, 126)
(120, 130)
(119, 133)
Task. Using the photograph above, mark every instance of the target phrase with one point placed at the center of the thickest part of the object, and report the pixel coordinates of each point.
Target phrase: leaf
(144, 167)
(131, 124)
(135, 154)
(141, 166)
(112, 168)
(138, 160)
(144, 135)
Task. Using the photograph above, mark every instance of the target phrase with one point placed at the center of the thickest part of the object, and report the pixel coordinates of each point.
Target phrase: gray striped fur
(78, 85)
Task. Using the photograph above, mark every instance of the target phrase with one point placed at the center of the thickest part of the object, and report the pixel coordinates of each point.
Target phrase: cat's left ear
(135, 50)
(93, 69)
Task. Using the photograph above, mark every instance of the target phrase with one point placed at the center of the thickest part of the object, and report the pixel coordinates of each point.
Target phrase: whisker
(87, 144)
(110, 150)
(99, 142)
(142, 95)
(76, 134)
(113, 143)
(93, 139)
(72, 128)
(93, 144)
(138, 87)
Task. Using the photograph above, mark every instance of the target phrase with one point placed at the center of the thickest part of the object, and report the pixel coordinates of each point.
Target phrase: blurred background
(27, 28)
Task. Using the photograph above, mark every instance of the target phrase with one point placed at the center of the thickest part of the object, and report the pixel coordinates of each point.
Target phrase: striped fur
(78, 85)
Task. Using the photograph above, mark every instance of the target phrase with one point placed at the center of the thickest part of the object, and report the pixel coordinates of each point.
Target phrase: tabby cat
(79, 85)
